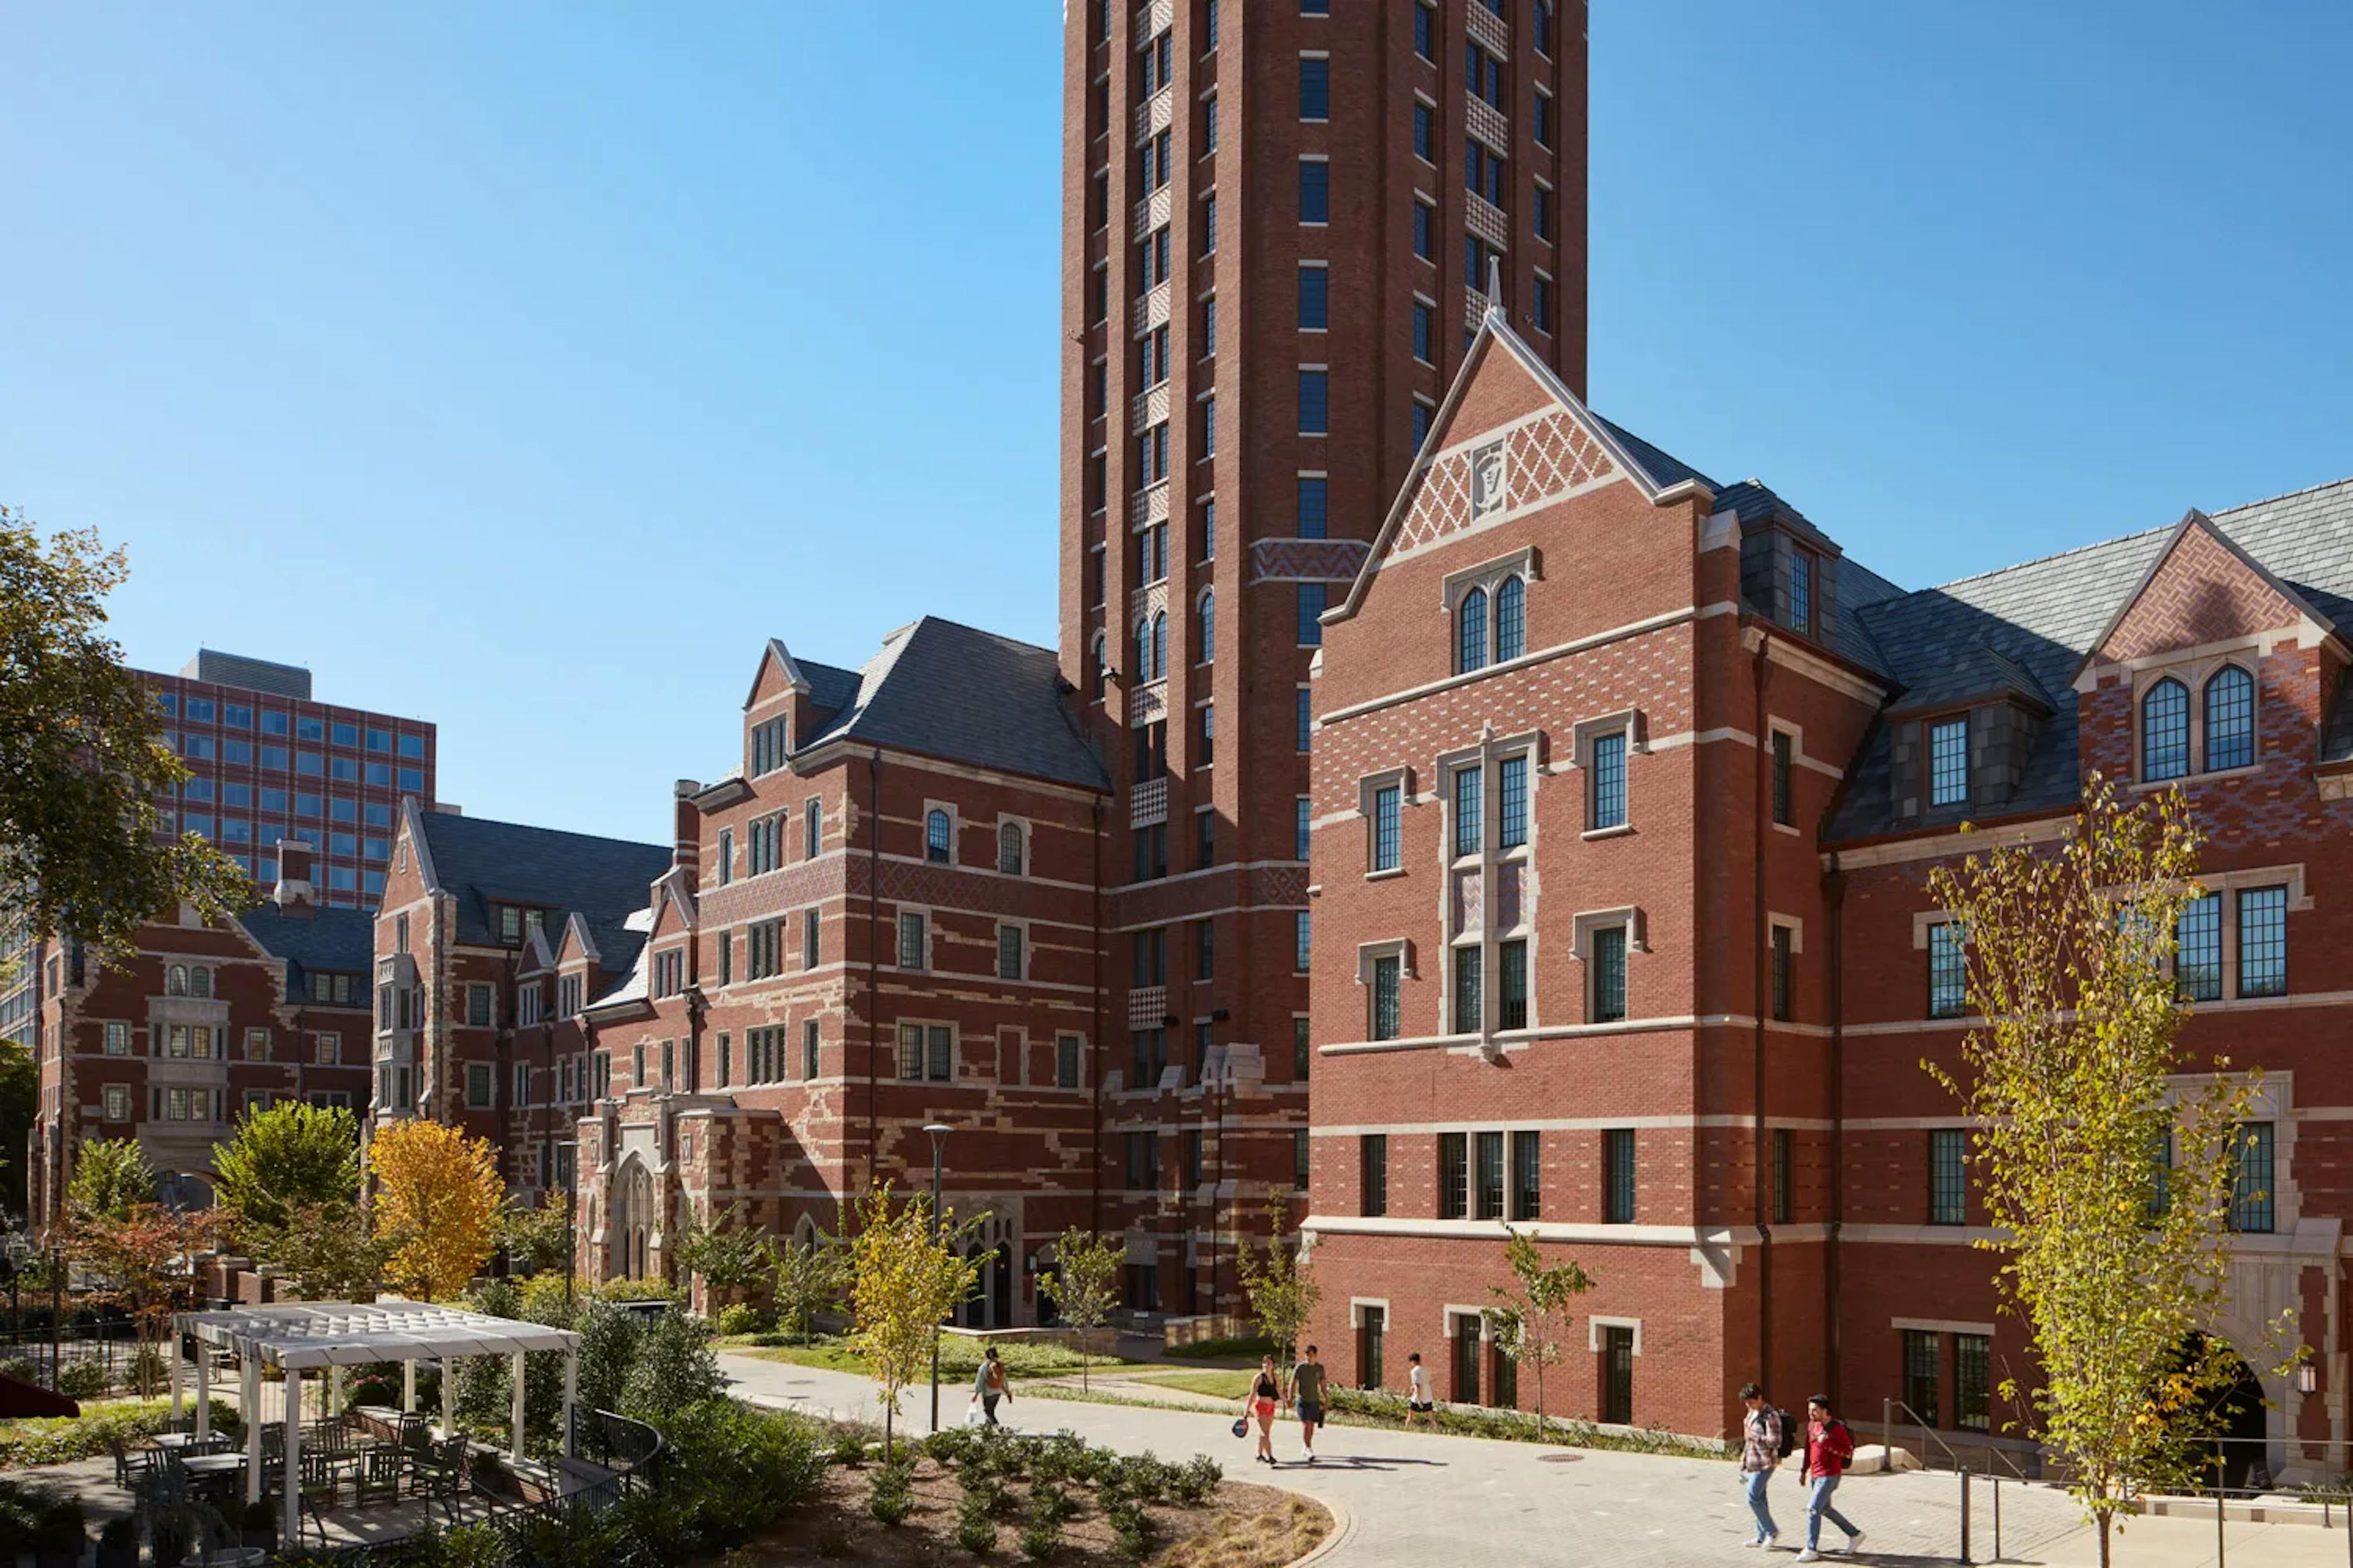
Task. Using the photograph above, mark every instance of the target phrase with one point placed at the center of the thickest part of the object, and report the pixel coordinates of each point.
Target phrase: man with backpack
(1828, 1446)
(1765, 1442)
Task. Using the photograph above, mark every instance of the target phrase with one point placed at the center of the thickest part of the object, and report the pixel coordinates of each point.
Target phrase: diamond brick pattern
(1307, 560)
(2202, 594)
(1548, 456)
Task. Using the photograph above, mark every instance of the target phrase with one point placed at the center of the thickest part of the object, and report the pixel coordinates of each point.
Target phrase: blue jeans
(1753, 1483)
(1818, 1509)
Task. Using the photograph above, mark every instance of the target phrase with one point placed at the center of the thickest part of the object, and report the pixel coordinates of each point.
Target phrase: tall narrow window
(911, 941)
(1373, 1168)
(2263, 942)
(1315, 298)
(1618, 1176)
(937, 842)
(1511, 984)
(1305, 939)
(1314, 191)
(1207, 648)
(1947, 974)
(1491, 1176)
(1920, 1376)
(1306, 724)
(1512, 803)
(1470, 798)
(1510, 618)
(1386, 971)
(1972, 1382)
(1468, 988)
(1606, 795)
(2165, 730)
(1008, 952)
(1527, 1175)
(1008, 848)
(1471, 631)
(1784, 978)
(2252, 1209)
(2229, 719)
(1454, 1174)
(1312, 508)
(1948, 762)
(726, 856)
(1948, 1177)
(1782, 747)
(1314, 401)
(1387, 832)
(2198, 961)
(1784, 1158)
(1802, 591)
(1609, 977)
(1312, 598)
(1314, 89)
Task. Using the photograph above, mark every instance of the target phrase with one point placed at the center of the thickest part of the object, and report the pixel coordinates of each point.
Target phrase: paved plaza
(1411, 1500)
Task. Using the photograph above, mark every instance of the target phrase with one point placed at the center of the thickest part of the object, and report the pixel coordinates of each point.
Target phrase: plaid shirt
(1761, 1447)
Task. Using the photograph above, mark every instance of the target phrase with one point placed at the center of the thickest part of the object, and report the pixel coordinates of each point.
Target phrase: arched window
(1143, 650)
(200, 981)
(1008, 848)
(2165, 730)
(1471, 631)
(1511, 619)
(176, 980)
(1209, 643)
(1159, 646)
(936, 837)
(2229, 719)
(1097, 670)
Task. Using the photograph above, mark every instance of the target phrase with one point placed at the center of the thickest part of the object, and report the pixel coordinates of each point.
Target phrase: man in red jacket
(1828, 1446)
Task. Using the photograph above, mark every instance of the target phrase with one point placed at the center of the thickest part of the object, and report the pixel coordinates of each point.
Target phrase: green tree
(289, 1157)
(2115, 1255)
(727, 1255)
(82, 759)
(534, 1239)
(1281, 1296)
(20, 1091)
(1531, 1315)
(809, 1278)
(328, 1251)
(1084, 1283)
(907, 1276)
(111, 1177)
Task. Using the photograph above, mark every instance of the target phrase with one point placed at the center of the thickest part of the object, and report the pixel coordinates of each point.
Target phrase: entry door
(1618, 1376)
(1368, 1346)
(1466, 1361)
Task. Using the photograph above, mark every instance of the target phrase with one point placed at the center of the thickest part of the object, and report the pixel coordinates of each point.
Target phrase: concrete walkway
(1411, 1500)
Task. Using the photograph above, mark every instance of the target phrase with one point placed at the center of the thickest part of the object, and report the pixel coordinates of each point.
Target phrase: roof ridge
(982, 632)
(431, 816)
(2036, 561)
(2283, 495)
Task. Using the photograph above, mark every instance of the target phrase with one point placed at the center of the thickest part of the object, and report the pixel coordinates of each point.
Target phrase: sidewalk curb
(1344, 1529)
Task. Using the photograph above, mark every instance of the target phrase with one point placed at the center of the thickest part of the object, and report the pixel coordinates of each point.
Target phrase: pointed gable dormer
(2200, 590)
(777, 712)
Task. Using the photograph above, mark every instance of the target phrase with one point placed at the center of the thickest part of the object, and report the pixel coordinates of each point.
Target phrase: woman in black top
(1260, 1402)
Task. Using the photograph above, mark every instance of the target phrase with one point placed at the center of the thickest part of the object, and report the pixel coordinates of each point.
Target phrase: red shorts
(1264, 1408)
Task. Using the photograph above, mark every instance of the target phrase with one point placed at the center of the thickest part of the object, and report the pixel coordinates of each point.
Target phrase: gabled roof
(2194, 520)
(481, 863)
(336, 941)
(952, 691)
(2046, 616)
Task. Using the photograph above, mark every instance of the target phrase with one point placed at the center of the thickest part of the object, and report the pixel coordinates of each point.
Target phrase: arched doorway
(634, 1218)
(2235, 1413)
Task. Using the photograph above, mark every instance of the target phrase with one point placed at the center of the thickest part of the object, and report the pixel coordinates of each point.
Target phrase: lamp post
(938, 1130)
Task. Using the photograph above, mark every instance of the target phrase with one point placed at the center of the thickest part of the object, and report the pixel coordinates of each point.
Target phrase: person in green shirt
(1307, 1394)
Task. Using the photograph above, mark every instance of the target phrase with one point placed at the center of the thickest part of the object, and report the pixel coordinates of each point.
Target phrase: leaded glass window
(2263, 942)
(2229, 719)
(1470, 789)
(1510, 618)
(1471, 631)
(1512, 803)
(1948, 762)
(2165, 730)
(1608, 796)
(2198, 961)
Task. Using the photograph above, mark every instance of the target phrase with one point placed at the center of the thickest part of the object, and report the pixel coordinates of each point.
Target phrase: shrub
(734, 1469)
(1146, 1477)
(674, 1366)
(61, 1439)
(1051, 1502)
(1041, 1537)
(848, 1449)
(473, 1546)
(950, 1445)
(1196, 1481)
(743, 1317)
(1218, 1350)
(82, 1379)
(976, 1529)
(1132, 1528)
(891, 1495)
(637, 1291)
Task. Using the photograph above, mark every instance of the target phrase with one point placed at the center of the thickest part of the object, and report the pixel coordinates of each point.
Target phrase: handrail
(1928, 1435)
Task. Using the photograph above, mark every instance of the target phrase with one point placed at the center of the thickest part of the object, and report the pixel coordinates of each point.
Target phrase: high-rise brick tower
(1280, 221)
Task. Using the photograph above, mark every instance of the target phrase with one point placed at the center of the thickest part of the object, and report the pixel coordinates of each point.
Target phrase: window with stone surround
(1948, 762)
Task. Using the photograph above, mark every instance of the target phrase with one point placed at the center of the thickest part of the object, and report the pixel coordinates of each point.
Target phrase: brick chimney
(686, 848)
(294, 894)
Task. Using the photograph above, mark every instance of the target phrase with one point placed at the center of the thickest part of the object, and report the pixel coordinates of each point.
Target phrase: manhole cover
(1559, 1459)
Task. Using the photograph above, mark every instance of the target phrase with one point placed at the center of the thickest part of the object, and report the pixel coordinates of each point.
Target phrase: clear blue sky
(522, 367)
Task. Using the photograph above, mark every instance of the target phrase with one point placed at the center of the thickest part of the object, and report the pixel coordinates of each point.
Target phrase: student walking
(1828, 1446)
(990, 1385)
(1307, 1393)
(1760, 1456)
(1417, 1401)
(1258, 1405)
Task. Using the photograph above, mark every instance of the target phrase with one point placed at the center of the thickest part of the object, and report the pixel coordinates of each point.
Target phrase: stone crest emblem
(1490, 475)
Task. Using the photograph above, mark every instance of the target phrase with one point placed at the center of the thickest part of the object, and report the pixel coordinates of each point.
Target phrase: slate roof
(2042, 617)
(1664, 470)
(335, 939)
(482, 863)
(952, 691)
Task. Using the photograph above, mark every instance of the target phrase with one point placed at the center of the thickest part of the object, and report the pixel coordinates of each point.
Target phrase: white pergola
(297, 1336)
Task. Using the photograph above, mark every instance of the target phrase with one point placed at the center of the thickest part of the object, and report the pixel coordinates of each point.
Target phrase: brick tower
(1279, 224)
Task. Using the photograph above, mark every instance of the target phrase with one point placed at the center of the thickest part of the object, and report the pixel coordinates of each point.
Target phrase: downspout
(1835, 895)
(874, 949)
(1762, 1138)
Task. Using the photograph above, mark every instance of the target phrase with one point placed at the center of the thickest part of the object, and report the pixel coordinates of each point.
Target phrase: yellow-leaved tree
(439, 1193)
(906, 1276)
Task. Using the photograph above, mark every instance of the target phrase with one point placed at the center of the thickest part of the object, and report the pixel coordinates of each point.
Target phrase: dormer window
(510, 925)
(2223, 740)
(1948, 762)
(767, 747)
(1802, 591)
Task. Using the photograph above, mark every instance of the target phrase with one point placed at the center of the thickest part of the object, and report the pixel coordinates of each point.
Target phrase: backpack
(1788, 1432)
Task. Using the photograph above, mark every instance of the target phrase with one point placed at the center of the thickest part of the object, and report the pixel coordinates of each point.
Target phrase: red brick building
(1627, 782)
(201, 1024)
(1278, 222)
